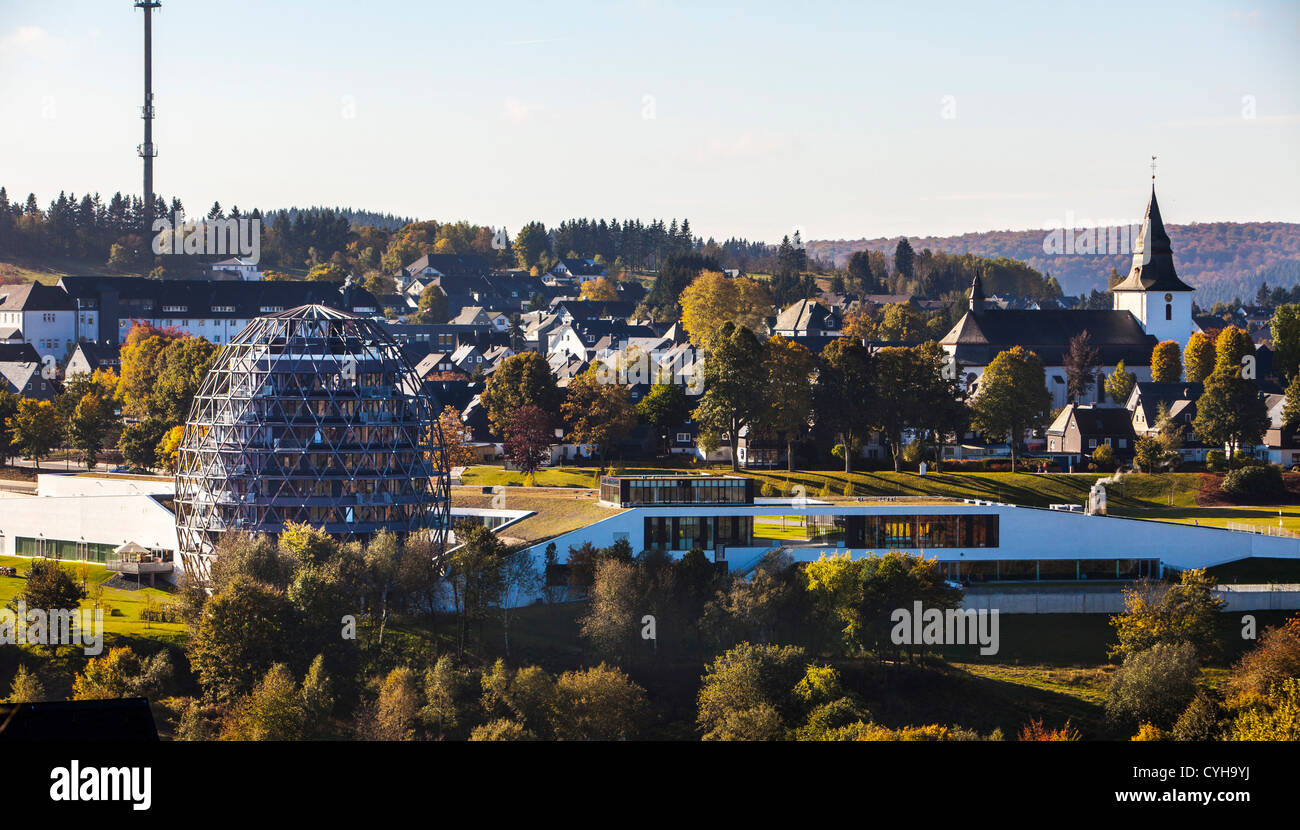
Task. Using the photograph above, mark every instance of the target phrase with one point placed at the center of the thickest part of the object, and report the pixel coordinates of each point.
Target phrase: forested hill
(1222, 259)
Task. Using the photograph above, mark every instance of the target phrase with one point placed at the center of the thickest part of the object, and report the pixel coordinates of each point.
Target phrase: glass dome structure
(308, 416)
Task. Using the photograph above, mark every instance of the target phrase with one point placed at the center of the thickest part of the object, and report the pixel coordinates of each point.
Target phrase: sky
(841, 120)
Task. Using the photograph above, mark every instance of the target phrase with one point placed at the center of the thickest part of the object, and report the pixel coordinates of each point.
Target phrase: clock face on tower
(1169, 298)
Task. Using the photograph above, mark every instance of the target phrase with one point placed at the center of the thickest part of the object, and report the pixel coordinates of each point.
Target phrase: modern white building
(974, 541)
(85, 517)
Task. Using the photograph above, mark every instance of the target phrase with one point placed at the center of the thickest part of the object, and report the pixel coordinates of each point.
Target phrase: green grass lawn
(123, 618)
(49, 270)
(556, 511)
(1264, 517)
(1032, 489)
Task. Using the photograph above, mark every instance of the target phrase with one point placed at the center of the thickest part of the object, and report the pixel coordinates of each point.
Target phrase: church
(1150, 305)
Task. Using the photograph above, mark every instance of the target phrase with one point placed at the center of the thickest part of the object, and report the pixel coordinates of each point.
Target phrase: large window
(632, 491)
(63, 549)
(663, 533)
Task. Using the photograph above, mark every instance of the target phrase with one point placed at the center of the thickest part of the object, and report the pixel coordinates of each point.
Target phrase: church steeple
(1153, 256)
(976, 295)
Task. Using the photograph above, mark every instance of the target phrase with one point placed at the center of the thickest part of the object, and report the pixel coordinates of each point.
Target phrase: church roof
(1153, 257)
(1117, 335)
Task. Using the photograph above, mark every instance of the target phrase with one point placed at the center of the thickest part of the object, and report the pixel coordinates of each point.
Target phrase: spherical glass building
(308, 416)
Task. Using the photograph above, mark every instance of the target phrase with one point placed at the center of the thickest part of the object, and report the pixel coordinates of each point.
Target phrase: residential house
(1079, 430)
(44, 316)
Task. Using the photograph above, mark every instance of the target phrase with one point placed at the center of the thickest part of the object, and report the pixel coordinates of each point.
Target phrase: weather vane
(1153, 169)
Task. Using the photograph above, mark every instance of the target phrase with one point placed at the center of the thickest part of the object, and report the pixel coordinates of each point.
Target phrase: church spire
(1153, 257)
(976, 295)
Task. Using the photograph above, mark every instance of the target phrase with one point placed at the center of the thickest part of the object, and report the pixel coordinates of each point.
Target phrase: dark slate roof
(1153, 257)
(616, 329)
(596, 309)
(452, 265)
(100, 356)
(34, 296)
(199, 297)
(1148, 395)
(17, 374)
(1117, 335)
(805, 315)
(583, 267)
(1096, 420)
(19, 353)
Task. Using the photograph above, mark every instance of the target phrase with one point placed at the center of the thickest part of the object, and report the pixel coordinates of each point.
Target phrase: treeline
(939, 276)
(1221, 259)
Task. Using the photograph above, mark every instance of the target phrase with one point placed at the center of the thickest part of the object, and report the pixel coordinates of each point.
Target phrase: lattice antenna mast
(148, 149)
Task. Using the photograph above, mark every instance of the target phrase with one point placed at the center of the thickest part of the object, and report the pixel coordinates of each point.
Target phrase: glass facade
(882, 532)
(634, 491)
(66, 549)
(664, 533)
(1051, 570)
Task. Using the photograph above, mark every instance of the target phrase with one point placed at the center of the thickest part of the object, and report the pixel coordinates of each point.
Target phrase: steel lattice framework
(307, 416)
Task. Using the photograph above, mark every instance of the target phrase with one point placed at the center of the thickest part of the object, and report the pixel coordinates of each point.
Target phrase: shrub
(1154, 685)
(1255, 483)
(1216, 461)
(1104, 457)
(769, 490)
(1241, 459)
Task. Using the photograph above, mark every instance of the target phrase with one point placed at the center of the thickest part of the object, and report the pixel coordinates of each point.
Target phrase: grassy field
(1286, 517)
(557, 511)
(1032, 489)
(49, 270)
(123, 616)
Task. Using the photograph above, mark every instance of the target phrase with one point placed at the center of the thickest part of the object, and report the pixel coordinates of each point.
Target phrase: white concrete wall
(1024, 533)
(106, 519)
(89, 485)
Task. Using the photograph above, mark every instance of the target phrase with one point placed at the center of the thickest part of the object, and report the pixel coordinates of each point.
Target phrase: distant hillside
(1222, 259)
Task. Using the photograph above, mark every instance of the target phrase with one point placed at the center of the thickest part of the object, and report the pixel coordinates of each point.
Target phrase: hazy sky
(842, 119)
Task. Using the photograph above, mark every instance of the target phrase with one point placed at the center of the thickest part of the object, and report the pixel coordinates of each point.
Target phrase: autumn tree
(597, 413)
(433, 306)
(1285, 328)
(1198, 357)
(1231, 348)
(601, 289)
(1120, 383)
(1231, 410)
(789, 367)
(140, 356)
(1080, 359)
(456, 437)
(1167, 362)
(8, 408)
(1012, 397)
(182, 366)
(734, 396)
(841, 399)
(1184, 612)
(50, 586)
(36, 428)
(530, 436)
(520, 380)
(89, 426)
(714, 299)
(901, 323)
(664, 407)
(598, 704)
